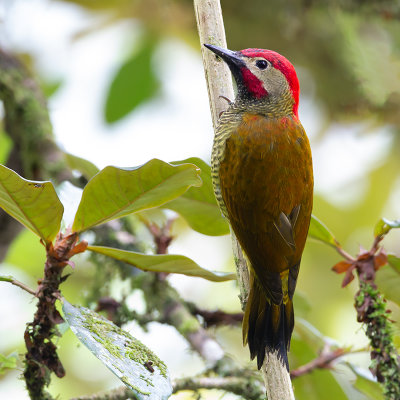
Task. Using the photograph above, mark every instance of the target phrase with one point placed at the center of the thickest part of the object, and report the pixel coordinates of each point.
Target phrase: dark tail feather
(267, 326)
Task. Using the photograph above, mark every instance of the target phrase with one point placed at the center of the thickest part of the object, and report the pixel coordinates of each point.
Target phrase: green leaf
(320, 232)
(8, 362)
(133, 84)
(394, 262)
(308, 334)
(370, 388)
(34, 204)
(384, 226)
(6, 278)
(303, 306)
(49, 88)
(388, 282)
(116, 192)
(85, 167)
(170, 263)
(198, 205)
(124, 355)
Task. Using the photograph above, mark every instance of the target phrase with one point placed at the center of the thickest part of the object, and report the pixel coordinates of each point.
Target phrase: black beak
(232, 58)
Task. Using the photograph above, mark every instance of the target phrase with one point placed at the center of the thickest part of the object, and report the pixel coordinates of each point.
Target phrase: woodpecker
(263, 181)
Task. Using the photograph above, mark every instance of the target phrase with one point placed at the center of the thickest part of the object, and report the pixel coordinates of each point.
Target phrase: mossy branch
(41, 357)
(372, 312)
(34, 153)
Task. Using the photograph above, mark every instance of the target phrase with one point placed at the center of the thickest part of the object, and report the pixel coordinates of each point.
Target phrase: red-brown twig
(218, 317)
(22, 286)
(161, 235)
(41, 356)
(324, 361)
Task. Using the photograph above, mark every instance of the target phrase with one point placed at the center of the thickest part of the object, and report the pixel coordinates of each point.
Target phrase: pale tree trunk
(219, 83)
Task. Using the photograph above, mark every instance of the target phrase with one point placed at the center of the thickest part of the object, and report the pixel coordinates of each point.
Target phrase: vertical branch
(34, 153)
(219, 82)
(211, 30)
(41, 357)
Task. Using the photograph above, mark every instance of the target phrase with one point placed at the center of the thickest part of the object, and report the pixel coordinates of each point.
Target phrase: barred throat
(229, 120)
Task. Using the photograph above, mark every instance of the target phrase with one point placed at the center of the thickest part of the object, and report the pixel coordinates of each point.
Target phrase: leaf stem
(344, 254)
(24, 287)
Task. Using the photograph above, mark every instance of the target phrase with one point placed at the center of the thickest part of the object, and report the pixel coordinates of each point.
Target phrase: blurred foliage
(367, 386)
(8, 362)
(133, 84)
(350, 51)
(5, 146)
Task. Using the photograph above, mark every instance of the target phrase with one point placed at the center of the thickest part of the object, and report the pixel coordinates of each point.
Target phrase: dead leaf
(348, 277)
(380, 260)
(341, 267)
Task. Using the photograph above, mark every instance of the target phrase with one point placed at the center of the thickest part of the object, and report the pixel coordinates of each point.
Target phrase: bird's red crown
(278, 62)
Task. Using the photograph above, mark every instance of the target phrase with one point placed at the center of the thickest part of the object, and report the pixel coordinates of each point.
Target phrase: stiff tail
(267, 326)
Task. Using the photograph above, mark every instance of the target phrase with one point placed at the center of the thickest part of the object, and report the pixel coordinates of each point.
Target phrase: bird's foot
(229, 103)
(225, 98)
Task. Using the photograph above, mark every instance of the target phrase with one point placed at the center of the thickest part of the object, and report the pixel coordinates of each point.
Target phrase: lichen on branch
(372, 311)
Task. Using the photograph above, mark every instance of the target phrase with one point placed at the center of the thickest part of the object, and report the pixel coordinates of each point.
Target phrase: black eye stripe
(261, 64)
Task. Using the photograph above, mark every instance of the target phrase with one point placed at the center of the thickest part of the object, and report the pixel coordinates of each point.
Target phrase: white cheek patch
(272, 80)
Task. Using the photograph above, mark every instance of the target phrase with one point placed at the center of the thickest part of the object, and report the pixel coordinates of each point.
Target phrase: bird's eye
(261, 64)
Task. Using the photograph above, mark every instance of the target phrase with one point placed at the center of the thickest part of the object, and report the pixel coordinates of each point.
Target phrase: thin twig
(161, 235)
(120, 393)
(24, 287)
(323, 361)
(344, 254)
(243, 387)
(218, 317)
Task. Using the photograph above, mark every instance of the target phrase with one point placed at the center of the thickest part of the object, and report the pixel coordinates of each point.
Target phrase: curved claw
(225, 98)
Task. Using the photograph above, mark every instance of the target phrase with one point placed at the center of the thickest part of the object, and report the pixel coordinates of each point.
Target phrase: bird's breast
(265, 168)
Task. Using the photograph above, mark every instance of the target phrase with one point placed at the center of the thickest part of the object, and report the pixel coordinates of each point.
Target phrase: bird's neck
(270, 107)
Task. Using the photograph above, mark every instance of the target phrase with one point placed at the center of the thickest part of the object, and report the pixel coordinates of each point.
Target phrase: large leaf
(116, 192)
(198, 205)
(129, 359)
(320, 232)
(85, 167)
(133, 84)
(34, 204)
(170, 263)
